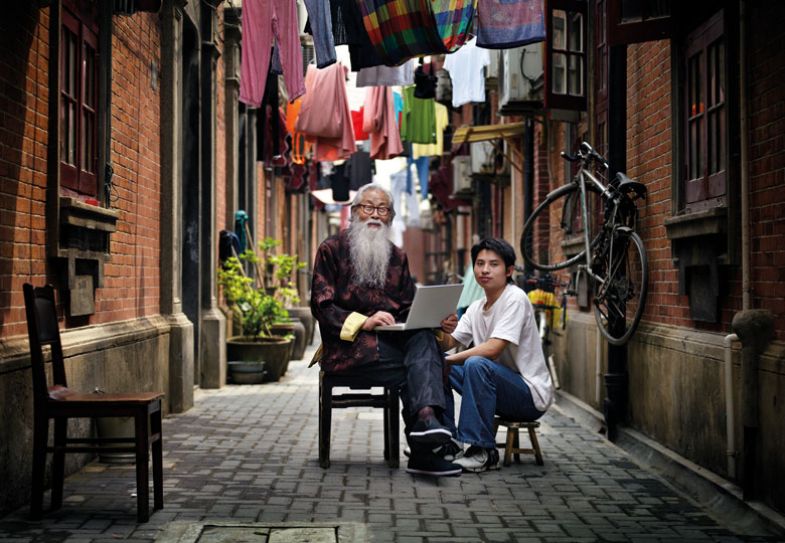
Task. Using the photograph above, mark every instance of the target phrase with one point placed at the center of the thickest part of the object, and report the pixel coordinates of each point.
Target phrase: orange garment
(379, 122)
(300, 146)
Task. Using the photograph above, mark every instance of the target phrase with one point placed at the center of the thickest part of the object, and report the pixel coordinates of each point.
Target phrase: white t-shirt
(511, 318)
(466, 71)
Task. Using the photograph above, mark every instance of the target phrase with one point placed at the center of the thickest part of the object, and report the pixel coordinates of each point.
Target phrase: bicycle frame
(583, 174)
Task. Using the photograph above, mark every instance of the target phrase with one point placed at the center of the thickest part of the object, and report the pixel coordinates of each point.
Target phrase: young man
(504, 372)
(360, 281)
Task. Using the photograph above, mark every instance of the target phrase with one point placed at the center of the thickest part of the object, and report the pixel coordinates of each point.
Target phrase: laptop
(432, 303)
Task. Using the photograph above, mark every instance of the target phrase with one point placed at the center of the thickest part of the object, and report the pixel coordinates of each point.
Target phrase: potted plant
(279, 269)
(256, 311)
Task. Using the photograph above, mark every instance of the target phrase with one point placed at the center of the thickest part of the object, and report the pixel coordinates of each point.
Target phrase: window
(565, 75)
(634, 21)
(79, 73)
(705, 138)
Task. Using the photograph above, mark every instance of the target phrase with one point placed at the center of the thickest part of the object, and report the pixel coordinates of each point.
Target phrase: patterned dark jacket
(341, 306)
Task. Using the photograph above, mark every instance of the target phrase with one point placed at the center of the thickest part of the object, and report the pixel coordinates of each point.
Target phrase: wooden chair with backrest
(58, 402)
(388, 400)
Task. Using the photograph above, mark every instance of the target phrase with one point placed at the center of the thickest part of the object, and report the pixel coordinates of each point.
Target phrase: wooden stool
(512, 445)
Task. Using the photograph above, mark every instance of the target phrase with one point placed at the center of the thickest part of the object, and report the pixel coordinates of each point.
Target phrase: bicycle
(615, 258)
(550, 313)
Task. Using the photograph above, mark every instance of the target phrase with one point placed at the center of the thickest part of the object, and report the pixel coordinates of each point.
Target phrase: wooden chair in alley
(512, 445)
(386, 400)
(58, 402)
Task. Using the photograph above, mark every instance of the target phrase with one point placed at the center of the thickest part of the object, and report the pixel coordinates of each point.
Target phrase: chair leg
(325, 420)
(516, 447)
(511, 432)
(58, 462)
(158, 466)
(393, 428)
(387, 421)
(142, 469)
(40, 438)
(536, 446)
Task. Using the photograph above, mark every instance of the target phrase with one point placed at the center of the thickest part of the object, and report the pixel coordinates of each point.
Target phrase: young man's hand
(449, 323)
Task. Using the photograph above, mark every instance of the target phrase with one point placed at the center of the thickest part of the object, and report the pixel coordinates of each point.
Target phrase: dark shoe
(476, 459)
(428, 463)
(429, 432)
(449, 451)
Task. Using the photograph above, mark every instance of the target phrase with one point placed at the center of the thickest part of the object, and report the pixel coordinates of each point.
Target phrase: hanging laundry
(324, 115)
(261, 21)
(359, 169)
(441, 119)
(387, 76)
(502, 24)
(357, 123)
(379, 122)
(321, 28)
(424, 81)
(466, 71)
(418, 123)
(422, 169)
(401, 29)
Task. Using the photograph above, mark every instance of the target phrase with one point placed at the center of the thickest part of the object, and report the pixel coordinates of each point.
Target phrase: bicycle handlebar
(586, 153)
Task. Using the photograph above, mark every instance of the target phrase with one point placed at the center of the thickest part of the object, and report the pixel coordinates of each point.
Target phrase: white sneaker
(476, 459)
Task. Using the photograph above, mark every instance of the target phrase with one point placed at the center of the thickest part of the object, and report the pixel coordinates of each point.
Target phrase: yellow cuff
(352, 326)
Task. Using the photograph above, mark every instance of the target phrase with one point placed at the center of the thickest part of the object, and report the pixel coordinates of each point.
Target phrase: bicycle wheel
(621, 298)
(561, 207)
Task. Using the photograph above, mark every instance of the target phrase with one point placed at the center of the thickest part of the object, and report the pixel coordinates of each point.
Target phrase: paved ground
(248, 454)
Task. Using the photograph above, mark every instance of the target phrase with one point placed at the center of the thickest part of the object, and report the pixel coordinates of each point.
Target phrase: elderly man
(361, 281)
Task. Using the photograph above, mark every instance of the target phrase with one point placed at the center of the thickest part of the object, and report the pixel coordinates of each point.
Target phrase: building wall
(125, 344)
(675, 364)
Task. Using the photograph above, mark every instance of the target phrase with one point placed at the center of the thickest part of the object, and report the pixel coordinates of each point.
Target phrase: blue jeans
(487, 388)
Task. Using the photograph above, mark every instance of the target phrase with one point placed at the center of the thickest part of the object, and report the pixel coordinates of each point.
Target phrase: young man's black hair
(498, 246)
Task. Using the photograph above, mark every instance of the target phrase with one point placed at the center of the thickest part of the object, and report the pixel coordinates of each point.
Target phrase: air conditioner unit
(521, 79)
(483, 154)
(462, 174)
(492, 69)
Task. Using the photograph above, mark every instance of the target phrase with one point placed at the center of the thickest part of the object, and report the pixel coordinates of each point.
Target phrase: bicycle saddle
(625, 184)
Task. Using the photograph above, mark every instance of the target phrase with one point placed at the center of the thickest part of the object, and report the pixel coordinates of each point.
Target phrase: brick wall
(24, 93)
(131, 282)
(767, 160)
(131, 278)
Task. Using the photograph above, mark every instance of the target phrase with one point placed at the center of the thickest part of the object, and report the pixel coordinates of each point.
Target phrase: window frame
(708, 188)
(623, 32)
(562, 101)
(81, 175)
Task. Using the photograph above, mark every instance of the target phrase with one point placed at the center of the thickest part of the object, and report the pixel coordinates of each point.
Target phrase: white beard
(370, 251)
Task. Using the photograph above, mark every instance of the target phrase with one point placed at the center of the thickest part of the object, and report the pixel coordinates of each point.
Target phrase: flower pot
(295, 327)
(114, 427)
(305, 316)
(246, 373)
(274, 351)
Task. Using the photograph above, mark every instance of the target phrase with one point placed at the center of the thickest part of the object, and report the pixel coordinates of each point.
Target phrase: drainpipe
(730, 422)
(528, 180)
(755, 328)
(743, 128)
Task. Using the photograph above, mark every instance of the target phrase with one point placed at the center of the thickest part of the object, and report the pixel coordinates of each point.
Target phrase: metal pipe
(598, 364)
(730, 421)
(744, 158)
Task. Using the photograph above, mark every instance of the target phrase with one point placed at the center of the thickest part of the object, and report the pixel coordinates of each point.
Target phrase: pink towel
(324, 116)
(379, 122)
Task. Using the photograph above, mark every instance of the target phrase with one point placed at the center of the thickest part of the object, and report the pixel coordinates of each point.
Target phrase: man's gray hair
(375, 187)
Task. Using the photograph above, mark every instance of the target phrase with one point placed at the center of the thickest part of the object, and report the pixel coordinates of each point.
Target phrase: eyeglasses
(368, 209)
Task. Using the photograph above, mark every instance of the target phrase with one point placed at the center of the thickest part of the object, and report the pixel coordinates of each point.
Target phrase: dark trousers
(413, 362)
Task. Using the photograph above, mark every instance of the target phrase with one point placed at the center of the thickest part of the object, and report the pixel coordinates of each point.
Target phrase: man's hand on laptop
(449, 323)
(380, 318)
